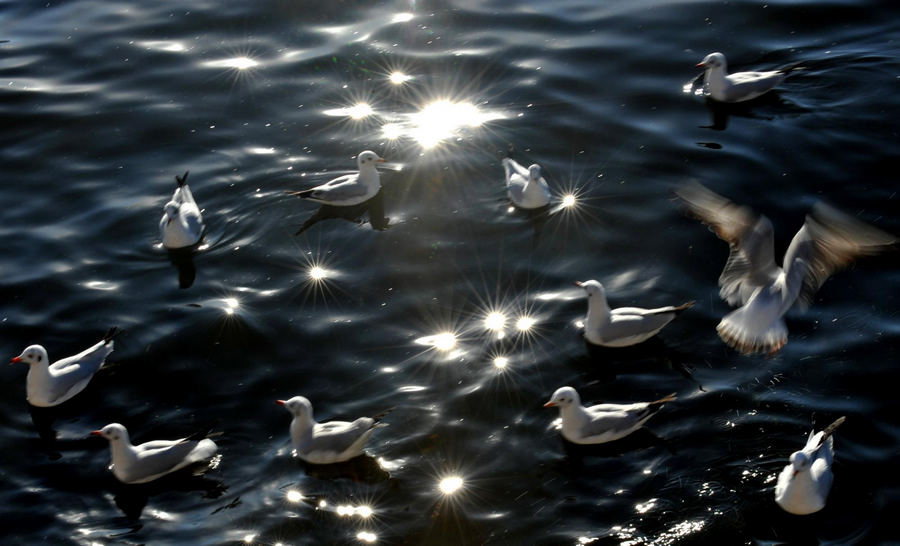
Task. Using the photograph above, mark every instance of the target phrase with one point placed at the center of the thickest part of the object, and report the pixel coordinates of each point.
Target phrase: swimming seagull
(181, 225)
(762, 291)
(623, 326)
(154, 459)
(803, 485)
(52, 384)
(526, 187)
(603, 422)
(739, 86)
(351, 189)
(331, 442)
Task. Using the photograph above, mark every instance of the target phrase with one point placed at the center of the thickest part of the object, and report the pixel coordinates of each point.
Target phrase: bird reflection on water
(374, 208)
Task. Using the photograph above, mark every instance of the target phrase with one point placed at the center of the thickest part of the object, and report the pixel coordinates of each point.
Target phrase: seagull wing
(338, 436)
(833, 241)
(512, 168)
(751, 261)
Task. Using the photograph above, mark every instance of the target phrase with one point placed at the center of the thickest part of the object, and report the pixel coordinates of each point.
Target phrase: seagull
(181, 225)
(739, 86)
(623, 326)
(331, 442)
(151, 460)
(803, 485)
(526, 187)
(52, 384)
(350, 189)
(762, 291)
(601, 423)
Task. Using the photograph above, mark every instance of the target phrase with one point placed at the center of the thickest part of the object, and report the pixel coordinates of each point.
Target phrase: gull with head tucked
(751, 281)
(603, 422)
(623, 326)
(351, 189)
(151, 460)
(740, 86)
(182, 224)
(804, 484)
(526, 187)
(52, 384)
(329, 442)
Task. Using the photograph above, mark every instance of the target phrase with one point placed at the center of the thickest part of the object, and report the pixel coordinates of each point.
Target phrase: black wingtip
(182, 180)
(379, 416)
(111, 333)
(510, 150)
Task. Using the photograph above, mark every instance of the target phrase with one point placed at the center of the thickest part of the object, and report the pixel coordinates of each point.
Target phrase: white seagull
(739, 86)
(803, 485)
(526, 187)
(623, 326)
(154, 459)
(331, 442)
(181, 225)
(603, 422)
(351, 189)
(52, 384)
(762, 291)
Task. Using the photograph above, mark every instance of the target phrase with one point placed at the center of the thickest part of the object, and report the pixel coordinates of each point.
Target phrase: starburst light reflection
(525, 323)
(399, 78)
(450, 485)
(237, 63)
(501, 362)
(293, 496)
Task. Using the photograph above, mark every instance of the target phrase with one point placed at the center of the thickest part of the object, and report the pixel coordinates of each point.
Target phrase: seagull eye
(40, 358)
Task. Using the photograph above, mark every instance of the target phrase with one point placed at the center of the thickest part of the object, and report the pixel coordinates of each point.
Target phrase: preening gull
(526, 187)
(182, 224)
(804, 484)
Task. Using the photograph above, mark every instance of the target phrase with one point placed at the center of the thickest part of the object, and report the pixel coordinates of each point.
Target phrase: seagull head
(592, 287)
(563, 397)
(33, 354)
(298, 406)
(112, 432)
(172, 209)
(713, 60)
(800, 462)
(534, 172)
(368, 158)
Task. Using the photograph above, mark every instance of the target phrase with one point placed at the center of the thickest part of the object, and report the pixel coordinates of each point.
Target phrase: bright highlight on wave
(399, 78)
(238, 63)
(366, 536)
(231, 305)
(450, 485)
(293, 496)
(568, 200)
(501, 362)
(444, 119)
(317, 273)
(360, 110)
(525, 323)
(495, 321)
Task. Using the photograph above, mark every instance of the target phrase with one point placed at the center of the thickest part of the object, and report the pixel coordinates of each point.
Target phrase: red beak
(579, 283)
(280, 402)
(96, 433)
(380, 160)
(700, 65)
(15, 359)
(550, 404)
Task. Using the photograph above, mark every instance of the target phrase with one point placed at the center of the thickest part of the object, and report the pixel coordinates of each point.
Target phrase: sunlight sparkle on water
(293, 495)
(495, 321)
(392, 131)
(525, 324)
(365, 536)
(444, 341)
(231, 305)
(399, 78)
(568, 200)
(501, 362)
(442, 119)
(317, 273)
(402, 17)
(360, 110)
(450, 485)
(239, 63)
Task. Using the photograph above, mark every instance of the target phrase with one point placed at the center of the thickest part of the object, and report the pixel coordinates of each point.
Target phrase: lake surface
(103, 102)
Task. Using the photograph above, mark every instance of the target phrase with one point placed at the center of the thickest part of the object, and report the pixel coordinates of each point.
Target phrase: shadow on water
(183, 260)
(651, 355)
(132, 498)
(768, 107)
(363, 468)
(374, 208)
(642, 438)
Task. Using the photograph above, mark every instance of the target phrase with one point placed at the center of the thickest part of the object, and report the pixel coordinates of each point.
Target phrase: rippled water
(104, 102)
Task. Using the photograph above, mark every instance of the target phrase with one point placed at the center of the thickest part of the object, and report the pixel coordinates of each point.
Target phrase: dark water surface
(103, 102)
